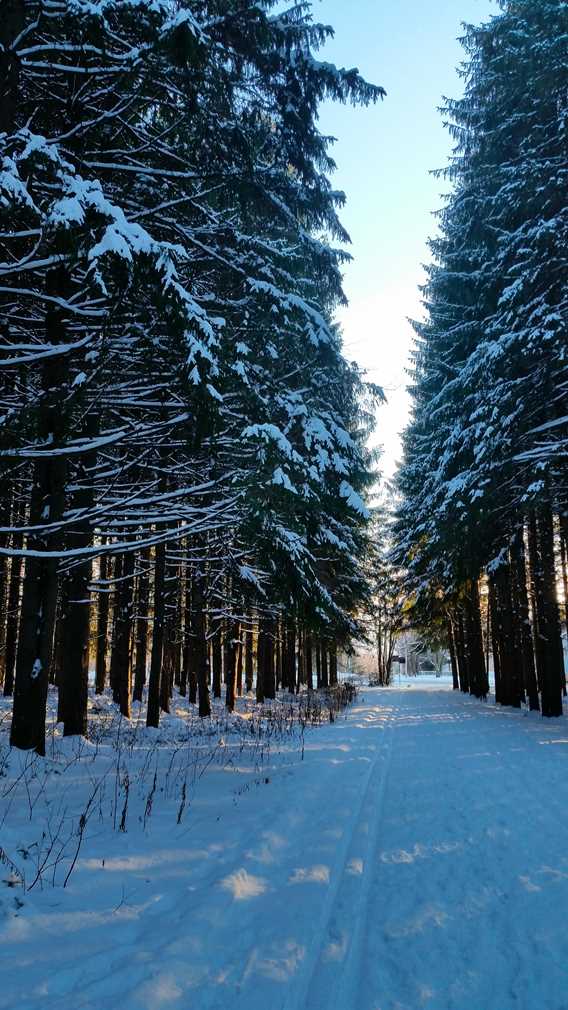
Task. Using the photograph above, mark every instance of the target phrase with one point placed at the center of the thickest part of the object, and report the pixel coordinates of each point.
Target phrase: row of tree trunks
(149, 611)
(523, 622)
(143, 620)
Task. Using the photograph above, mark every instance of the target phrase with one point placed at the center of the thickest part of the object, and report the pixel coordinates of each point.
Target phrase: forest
(214, 791)
(482, 523)
(183, 445)
(188, 492)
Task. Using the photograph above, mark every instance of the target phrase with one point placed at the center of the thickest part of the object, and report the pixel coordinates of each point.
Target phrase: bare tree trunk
(318, 663)
(186, 660)
(141, 626)
(39, 594)
(12, 613)
(461, 653)
(309, 662)
(453, 659)
(279, 654)
(563, 521)
(249, 669)
(239, 676)
(511, 688)
(324, 669)
(478, 683)
(76, 626)
(231, 671)
(120, 662)
(153, 711)
(217, 660)
(524, 627)
(102, 624)
(549, 658)
(269, 678)
(495, 642)
(200, 645)
(333, 663)
(260, 662)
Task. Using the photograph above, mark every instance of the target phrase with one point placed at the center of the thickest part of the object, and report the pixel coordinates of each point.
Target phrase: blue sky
(384, 156)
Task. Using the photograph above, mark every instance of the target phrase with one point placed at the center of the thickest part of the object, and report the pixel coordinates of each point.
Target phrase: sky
(384, 155)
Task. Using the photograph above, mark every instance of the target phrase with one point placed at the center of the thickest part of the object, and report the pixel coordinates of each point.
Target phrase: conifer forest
(278, 730)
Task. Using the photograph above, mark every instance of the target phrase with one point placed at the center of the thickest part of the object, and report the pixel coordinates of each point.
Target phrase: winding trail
(417, 858)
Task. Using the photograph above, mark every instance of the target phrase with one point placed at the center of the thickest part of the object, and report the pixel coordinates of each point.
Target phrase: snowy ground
(415, 858)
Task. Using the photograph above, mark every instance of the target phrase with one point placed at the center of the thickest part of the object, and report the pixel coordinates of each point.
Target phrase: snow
(280, 478)
(13, 189)
(271, 434)
(414, 858)
(353, 499)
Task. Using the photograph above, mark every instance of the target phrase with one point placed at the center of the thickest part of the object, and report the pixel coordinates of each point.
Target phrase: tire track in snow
(347, 899)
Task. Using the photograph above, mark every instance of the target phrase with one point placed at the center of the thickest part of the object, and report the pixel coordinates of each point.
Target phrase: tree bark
(12, 615)
(217, 660)
(453, 659)
(309, 662)
(76, 627)
(333, 663)
(47, 500)
(548, 642)
(249, 668)
(153, 711)
(141, 626)
(478, 682)
(200, 645)
(260, 648)
(526, 648)
(324, 668)
(102, 624)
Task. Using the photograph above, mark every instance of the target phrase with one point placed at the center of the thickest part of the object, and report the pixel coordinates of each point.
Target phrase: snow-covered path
(415, 858)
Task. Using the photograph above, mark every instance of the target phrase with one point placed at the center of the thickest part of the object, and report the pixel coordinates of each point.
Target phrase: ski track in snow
(415, 859)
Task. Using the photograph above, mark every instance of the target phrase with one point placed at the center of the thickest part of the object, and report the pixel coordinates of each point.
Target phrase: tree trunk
(269, 673)
(309, 663)
(113, 666)
(318, 663)
(548, 642)
(186, 660)
(153, 711)
(47, 500)
(333, 663)
(511, 688)
(324, 669)
(495, 643)
(239, 675)
(200, 645)
(291, 673)
(217, 660)
(249, 668)
(120, 662)
(102, 624)
(260, 648)
(141, 626)
(524, 626)
(12, 614)
(478, 683)
(453, 659)
(231, 670)
(461, 654)
(563, 520)
(74, 673)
